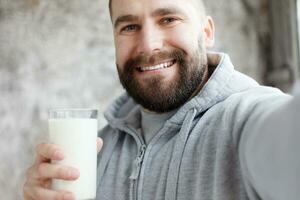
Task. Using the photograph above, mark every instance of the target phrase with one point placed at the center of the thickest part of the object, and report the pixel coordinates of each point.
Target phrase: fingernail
(68, 196)
(73, 173)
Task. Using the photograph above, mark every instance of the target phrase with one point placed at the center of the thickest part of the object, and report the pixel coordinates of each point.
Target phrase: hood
(221, 84)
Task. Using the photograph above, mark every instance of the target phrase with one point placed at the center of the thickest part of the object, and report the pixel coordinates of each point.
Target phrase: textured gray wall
(60, 53)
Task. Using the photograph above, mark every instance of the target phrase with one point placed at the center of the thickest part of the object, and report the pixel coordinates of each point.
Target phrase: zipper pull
(137, 163)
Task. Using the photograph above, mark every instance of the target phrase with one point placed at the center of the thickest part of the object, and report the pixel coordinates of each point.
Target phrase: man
(190, 126)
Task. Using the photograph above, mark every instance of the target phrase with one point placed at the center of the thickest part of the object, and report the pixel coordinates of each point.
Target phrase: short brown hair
(200, 4)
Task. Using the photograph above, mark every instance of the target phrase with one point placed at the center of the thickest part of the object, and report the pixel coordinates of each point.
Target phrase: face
(160, 50)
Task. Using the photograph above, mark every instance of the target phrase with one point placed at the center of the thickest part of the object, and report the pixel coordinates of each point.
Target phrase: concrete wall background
(61, 54)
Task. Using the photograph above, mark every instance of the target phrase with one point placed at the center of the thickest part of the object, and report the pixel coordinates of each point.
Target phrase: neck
(204, 80)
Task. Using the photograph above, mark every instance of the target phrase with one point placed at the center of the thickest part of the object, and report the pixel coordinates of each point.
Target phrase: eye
(168, 20)
(130, 28)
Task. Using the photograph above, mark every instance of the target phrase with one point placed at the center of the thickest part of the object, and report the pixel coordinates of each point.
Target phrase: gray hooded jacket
(197, 153)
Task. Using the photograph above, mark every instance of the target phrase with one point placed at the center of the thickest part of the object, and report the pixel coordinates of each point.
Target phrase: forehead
(145, 7)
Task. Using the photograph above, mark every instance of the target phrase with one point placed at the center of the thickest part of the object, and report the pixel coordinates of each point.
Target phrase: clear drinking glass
(75, 131)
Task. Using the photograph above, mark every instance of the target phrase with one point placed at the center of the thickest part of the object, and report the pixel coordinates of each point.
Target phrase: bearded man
(189, 126)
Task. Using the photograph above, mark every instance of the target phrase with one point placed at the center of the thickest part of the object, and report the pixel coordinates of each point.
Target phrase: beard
(154, 93)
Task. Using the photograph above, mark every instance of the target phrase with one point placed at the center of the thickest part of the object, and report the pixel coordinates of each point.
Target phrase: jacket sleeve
(270, 152)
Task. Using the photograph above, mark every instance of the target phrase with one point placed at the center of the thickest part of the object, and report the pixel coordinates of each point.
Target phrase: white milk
(77, 138)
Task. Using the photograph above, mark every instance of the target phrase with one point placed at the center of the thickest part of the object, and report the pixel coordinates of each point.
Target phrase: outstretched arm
(271, 153)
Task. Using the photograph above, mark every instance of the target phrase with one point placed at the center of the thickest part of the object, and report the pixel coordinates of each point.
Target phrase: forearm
(271, 153)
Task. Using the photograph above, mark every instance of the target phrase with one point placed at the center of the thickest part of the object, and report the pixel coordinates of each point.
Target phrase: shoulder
(106, 133)
(256, 99)
(240, 112)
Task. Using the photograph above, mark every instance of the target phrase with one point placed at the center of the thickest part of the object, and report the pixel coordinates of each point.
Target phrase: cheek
(184, 40)
(124, 50)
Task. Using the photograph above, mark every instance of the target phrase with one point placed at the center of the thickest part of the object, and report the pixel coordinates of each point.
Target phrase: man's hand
(41, 173)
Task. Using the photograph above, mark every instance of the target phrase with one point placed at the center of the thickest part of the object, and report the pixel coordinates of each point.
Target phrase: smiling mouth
(157, 67)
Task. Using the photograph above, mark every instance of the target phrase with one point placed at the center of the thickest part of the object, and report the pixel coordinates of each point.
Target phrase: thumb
(99, 144)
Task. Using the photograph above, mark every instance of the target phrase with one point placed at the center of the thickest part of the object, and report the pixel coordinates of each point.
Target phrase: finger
(47, 151)
(31, 174)
(26, 191)
(57, 171)
(99, 144)
(46, 194)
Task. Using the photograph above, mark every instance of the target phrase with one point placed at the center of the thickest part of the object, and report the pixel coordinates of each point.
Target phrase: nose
(150, 41)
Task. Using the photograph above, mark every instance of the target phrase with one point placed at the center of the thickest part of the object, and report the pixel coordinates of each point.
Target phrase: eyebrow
(156, 13)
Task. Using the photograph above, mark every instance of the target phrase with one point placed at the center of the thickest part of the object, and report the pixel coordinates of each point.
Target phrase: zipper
(138, 163)
(136, 171)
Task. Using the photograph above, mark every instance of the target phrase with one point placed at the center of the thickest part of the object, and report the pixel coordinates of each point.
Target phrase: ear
(209, 32)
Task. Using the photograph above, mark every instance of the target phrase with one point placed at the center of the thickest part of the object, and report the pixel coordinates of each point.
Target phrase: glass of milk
(75, 131)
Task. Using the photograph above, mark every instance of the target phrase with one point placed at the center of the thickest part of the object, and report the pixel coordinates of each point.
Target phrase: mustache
(139, 60)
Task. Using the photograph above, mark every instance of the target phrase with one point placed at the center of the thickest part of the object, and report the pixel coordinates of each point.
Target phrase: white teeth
(156, 67)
